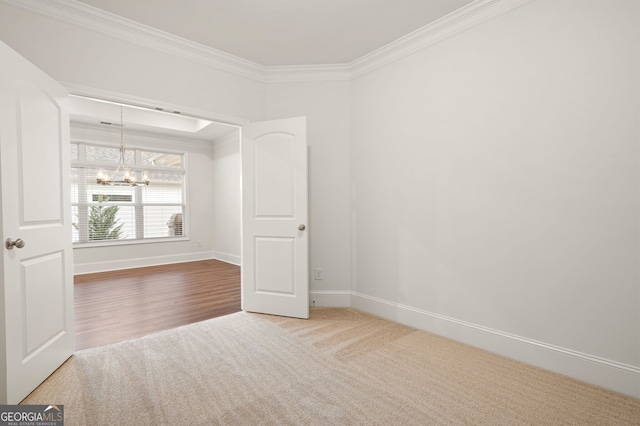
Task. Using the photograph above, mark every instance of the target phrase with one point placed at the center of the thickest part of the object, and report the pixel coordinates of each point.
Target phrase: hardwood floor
(120, 305)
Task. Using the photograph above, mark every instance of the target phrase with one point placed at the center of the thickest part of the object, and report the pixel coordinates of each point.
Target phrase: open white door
(36, 328)
(275, 264)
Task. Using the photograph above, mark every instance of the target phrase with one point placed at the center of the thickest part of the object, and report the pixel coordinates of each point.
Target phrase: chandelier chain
(128, 178)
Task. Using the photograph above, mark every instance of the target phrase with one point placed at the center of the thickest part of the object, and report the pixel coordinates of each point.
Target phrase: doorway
(132, 287)
(45, 338)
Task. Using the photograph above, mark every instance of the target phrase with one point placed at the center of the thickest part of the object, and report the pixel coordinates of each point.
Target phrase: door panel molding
(37, 328)
(275, 244)
(39, 138)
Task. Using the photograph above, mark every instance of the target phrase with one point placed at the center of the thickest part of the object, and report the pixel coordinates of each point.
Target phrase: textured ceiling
(286, 32)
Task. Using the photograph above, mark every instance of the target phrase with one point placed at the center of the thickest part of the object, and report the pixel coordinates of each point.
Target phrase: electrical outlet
(317, 273)
(199, 243)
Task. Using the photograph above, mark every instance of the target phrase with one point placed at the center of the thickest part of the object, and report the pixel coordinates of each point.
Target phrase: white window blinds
(112, 214)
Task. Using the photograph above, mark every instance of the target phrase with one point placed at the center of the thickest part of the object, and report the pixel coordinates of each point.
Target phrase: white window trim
(136, 144)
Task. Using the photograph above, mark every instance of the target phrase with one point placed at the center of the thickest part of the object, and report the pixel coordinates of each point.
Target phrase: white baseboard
(234, 259)
(609, 374)
(330, 298)
(114, 265)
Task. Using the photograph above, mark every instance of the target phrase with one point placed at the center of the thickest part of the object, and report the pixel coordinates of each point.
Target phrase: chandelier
(122, 176)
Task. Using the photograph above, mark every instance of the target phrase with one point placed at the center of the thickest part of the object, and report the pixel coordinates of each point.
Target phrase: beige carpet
(340, 367)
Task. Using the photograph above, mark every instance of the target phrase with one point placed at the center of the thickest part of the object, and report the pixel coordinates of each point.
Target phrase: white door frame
(106, 95)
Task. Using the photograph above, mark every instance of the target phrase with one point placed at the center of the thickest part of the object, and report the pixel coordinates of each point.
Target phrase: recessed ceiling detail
(94, 112)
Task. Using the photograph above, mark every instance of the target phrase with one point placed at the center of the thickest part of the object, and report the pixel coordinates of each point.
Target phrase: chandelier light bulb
(128, 178)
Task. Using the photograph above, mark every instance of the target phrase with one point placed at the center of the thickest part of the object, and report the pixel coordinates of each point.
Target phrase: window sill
(112, 243)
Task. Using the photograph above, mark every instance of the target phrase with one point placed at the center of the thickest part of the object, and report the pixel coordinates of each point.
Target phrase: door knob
(301, 227)
(10, 244)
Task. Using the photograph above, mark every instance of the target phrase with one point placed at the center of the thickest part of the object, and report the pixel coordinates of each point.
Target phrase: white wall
(82, 57)
(226, 213)
(495, 189)
(326, 106)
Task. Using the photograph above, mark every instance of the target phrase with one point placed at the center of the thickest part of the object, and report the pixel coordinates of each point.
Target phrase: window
(114, 214)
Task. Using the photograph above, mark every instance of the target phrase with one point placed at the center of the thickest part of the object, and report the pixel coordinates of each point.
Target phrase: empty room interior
(470, 176)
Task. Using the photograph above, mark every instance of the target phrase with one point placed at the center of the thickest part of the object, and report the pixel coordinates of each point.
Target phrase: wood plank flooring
(120, 305)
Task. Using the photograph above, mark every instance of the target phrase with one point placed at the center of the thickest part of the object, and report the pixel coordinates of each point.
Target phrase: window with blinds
(112, 214)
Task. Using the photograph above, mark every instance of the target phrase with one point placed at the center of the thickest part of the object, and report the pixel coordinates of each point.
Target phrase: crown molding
(306, 73)
(231, 138)
(116, 97)
(94, 19)
(448, 26)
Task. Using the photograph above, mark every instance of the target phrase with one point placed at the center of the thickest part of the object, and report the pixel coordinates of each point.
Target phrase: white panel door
(275, 265)
(36, 330)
